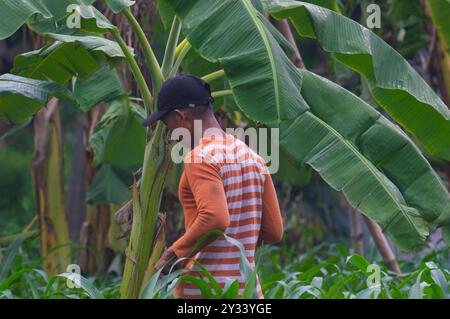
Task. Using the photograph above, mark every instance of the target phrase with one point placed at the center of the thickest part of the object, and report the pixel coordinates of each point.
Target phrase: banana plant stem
(152, 63)
(143, 88)
(213, 76)
(171, 47)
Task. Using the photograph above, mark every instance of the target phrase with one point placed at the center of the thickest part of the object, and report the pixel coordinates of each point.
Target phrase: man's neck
(210, 127)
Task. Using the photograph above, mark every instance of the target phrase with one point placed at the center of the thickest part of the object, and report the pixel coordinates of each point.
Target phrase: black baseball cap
(181, 91)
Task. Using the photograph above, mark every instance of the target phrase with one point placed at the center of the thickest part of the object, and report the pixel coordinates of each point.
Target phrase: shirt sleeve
(271, 220)
(212, 209)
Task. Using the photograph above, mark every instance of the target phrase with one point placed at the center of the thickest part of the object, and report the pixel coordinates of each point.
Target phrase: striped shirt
(225, 186)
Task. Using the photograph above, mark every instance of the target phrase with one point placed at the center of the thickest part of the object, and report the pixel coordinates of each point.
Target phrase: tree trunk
(356, 231)
(95, 254)
(76, 195)
(383, 246)
(158, 248)
(48, 178)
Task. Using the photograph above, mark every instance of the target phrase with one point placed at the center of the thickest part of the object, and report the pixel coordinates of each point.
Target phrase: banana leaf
(103, 86)
(118, 5)
(67, 57)
(21, 97)
(356, 150)
(440, 12)
(48, 13)
(119, 138)
(251, 57)
(394, 84)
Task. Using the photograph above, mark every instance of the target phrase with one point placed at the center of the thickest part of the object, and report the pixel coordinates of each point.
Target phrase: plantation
(349, 100)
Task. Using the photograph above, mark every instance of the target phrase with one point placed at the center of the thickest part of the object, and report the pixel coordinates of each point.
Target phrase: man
(224, 188)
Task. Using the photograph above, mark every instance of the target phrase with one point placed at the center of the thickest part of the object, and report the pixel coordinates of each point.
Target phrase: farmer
(225, 187)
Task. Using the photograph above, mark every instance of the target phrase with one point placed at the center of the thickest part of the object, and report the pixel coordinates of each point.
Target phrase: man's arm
(207, 187)
(271, 221)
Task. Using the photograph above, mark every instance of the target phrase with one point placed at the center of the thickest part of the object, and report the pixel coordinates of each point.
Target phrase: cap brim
(154, 118)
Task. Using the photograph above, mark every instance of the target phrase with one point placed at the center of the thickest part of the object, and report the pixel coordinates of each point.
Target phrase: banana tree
(68, 57)
(352, 146)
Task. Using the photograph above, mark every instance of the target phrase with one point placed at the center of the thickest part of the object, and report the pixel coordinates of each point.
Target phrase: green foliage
(118, 5)
(21, 97)
(324, 272)
(119, 138)
(394, 84)
(332, 272)
(440, 11)
(103, 86)
(16, 13)
(110, 185)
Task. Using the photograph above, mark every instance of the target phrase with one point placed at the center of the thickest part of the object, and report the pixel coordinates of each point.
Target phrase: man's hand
(166, 258)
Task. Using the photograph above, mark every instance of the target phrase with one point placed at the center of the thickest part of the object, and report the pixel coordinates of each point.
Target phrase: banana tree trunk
(76, 203)
(383, 246)
(158, 247)
(48, 178)
(146, 203)
(95, 254)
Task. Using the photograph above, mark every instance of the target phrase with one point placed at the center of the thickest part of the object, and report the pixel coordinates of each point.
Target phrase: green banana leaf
(118, 5)
(110, 185)
(49, 15)
(119, 138)
(67, 57)
(388, 149)
(321, 124)
(440, 12)
(103, 86)
(394, 84)
(21, 97)
(329, 4)
(256, 64)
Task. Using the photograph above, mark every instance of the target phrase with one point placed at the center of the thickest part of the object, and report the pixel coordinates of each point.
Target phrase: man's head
(181, 100)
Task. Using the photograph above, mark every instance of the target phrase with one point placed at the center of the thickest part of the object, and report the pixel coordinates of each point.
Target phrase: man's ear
(180, 115)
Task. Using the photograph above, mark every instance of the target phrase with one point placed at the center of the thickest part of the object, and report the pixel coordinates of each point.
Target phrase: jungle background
(327, 245)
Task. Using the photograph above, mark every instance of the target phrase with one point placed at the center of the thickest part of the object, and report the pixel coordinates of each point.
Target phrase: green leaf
(345, 141)
(360, 262)
(165, 12)
(118, 5)
(326, 143)
(440, 11)
(329, 4)
(14, 14)
(291, 172)
(394, 84)
(7, 260)
(71, 56)
(85, 284)
(259, 64)
(231, 289)
(384, 144)
(89, 18)
(103, 86)
(119, 138)
(93, 43)
(205, 289)
(21, 97)
(108, 187)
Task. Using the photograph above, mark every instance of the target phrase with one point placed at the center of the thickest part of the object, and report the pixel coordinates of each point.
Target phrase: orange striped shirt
(225, 186)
